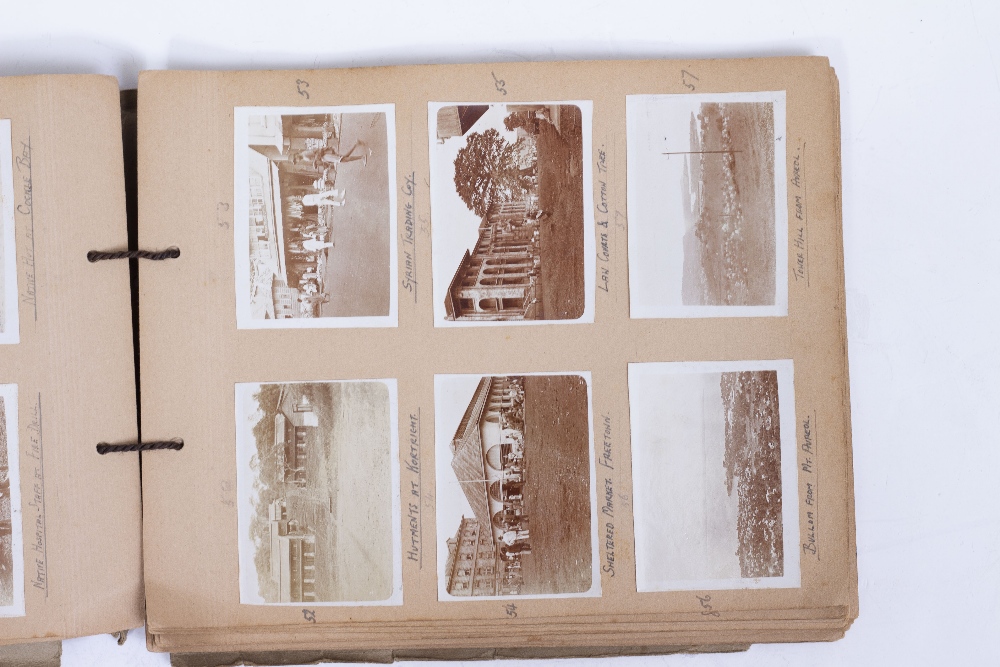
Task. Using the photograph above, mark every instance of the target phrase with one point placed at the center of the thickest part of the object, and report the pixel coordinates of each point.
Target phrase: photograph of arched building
(514, 493)
(511, 211)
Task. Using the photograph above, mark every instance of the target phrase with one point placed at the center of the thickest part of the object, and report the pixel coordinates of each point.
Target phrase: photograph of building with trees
(319, 231)
(318, 492)
(510, 212)
(709, 494)
(11, 547)
(514, 493)
(705, 183)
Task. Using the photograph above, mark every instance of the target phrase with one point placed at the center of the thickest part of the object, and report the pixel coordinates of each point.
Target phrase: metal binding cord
(105, 448)
(170, 253)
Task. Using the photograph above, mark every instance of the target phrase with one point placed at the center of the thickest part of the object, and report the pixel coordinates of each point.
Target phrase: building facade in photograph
(293, 557)
(291, 442)
(488, 456)
(472, 561)
(498, 279)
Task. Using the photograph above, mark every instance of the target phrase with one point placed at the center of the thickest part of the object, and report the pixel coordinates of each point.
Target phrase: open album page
(495, 356)
(70, 519)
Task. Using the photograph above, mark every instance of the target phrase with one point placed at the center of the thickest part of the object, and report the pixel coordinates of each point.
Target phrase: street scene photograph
(315, 217)
(515, 495)
(511, 211)
(707, 205)
(9, 332)
(318, 489)
(11, 545)
(715, 480)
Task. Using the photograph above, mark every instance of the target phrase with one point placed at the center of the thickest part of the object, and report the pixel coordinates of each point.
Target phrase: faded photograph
(512, 221)
(318, 486)
(707, 208)
(9, 332)
(714, 475)
(515, 495)
(315, 217)
(11, 545)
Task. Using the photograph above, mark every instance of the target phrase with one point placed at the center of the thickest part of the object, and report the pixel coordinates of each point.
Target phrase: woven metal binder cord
(105, 448)
(170, 253)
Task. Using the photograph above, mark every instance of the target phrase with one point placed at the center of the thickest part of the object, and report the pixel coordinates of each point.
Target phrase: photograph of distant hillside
(707, 205)
(715, 475)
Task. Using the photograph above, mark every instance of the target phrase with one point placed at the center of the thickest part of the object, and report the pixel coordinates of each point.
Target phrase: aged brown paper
(80, 513)
(194, 356)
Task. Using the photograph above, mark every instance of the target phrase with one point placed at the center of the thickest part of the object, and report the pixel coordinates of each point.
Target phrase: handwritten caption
(800, 233)
(26, 207)
(810, 453)
(604, 247)
(40, 575)
(605, 460)
(413, 510)
(409, 237)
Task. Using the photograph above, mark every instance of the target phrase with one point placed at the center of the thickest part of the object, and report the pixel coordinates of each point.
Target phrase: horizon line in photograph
(511, 207)
(315, 213)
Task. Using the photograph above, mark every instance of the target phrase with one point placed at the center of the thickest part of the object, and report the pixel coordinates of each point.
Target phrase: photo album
(453, 361)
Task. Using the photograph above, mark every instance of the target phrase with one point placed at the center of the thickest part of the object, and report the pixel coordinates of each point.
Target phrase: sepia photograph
(515, 493)
(11, 544)
(707, 205)
(318, 489)
(714, 474)
(315, 217)
(9, 331)
(512, 221)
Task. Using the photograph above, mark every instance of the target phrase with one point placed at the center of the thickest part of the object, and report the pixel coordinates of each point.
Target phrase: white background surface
(921, 107)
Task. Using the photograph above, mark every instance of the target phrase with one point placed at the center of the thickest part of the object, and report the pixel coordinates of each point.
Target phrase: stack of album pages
(514, 359)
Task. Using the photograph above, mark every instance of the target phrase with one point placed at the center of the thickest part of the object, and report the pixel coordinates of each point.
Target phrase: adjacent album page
(534, 354)
(70, 519)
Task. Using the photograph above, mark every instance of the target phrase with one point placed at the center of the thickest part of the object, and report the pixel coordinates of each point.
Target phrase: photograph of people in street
(9, 332)
(318, 489)
(515, 495)
(11, 544)
(707, 205)
(714, 472)
(315, 217)
(512, 223)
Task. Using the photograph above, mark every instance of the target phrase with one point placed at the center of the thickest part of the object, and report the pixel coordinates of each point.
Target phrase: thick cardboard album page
(70, 519)
(416, 305)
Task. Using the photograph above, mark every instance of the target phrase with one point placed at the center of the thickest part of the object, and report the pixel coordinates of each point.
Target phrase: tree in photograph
(486, 171)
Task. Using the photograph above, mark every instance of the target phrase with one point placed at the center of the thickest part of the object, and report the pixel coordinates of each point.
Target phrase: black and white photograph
(707, 205)
(315, 216)
(318, 489)
(9, 331)
(515, 493)
(11, 544)
(715, 476)
(512, 221)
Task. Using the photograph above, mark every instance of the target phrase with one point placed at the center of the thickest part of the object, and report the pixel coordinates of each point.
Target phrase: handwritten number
(686, 78)
(221, 217)
(500, 84)
(301, 85)
(706, 606)
(309, 615)
(511, 610)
